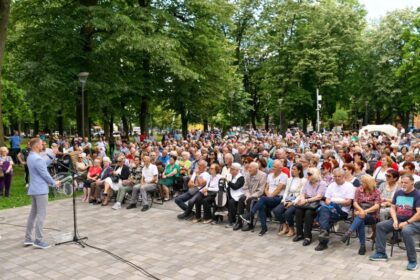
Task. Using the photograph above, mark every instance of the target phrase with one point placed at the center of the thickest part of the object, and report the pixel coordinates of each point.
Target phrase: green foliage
(340, 117)
(223, 61)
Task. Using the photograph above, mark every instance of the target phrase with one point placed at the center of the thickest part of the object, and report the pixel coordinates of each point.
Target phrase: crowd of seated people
(300, 181)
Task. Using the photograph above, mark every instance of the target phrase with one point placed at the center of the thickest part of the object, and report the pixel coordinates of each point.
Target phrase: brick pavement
(172, 249)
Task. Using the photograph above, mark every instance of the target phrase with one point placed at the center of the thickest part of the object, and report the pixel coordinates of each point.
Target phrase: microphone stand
(76, 239)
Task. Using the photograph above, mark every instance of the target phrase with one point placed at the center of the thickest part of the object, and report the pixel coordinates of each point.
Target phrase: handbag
(115, 178)
(311, 205)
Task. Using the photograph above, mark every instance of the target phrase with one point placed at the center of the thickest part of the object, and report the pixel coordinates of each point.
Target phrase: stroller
(220, 204)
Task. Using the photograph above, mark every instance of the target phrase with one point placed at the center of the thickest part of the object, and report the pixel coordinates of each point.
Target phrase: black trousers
(232, 210)
(304, 218)
(206, 202)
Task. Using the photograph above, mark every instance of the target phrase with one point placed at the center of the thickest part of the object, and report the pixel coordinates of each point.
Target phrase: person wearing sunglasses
(387, 190)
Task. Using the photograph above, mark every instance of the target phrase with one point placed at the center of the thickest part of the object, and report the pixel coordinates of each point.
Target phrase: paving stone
(170, 249)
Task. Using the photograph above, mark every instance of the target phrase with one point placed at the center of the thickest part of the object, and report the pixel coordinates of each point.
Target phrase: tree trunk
(60, 122)
(105, 122)
(4, 19)
(184, 121)
(143, 116)
(111, 126)
(36, 124)
(267, 122)
(206, 124)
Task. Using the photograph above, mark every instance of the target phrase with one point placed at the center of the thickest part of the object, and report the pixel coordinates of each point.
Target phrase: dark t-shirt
(406, 204)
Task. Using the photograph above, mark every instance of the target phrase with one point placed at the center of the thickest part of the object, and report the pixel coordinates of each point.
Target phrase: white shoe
(116, 206)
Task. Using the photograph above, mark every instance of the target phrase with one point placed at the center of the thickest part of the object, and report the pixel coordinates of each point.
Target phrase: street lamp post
(280, 102)
(318, 108)
(366, 112)
(82, 79)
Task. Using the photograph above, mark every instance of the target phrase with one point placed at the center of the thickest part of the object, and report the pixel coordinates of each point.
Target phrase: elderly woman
(234, 184)
(367, 201)
(99, 183)
(207, 195)
(6, 169)
(120, 173)
(307, 203)
(92, 175)
(380, 171)
(285, 211)
(387, 190)
(168, 176)
(359, 169)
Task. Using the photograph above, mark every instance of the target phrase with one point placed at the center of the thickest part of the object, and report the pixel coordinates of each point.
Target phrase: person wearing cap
(120, 173)
(99, 183)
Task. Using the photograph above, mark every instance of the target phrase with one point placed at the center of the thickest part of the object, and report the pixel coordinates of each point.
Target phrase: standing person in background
(23, 157)
(15, 145)
(6, 166)
(40, 179)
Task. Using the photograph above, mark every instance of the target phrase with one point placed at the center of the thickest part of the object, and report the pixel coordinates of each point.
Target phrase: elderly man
(339, 197)
(409, 157)
(405, 217)
(148, 182)
(198, 180)
(274, 190)
(253, 188)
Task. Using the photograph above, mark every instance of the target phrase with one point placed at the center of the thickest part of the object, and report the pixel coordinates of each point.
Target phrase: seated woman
(206, 195)
(120, 173)
(235, 192)
(168, 176)
(92, 175)
(387, 190)
(349, 169)
(326, 172)
(307, 203)
(285, 211)
(366, 205)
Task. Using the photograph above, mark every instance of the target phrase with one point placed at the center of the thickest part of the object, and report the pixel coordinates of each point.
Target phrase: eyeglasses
(388, 176)
(309, 174)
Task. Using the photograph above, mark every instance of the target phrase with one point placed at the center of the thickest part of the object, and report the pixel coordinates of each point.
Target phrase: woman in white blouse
(285, 211)
(380, 171)
(207, 195)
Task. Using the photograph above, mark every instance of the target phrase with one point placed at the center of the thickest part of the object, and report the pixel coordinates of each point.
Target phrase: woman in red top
(93, 174)
(367, 202)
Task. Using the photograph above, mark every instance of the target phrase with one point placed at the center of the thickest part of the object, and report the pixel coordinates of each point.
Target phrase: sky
(378, 8)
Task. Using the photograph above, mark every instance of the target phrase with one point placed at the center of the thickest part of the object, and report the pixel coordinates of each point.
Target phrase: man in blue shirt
(14, 146)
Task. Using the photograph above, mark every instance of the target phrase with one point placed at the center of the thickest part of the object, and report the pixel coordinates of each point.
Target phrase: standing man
(14, 145)
(40, 179)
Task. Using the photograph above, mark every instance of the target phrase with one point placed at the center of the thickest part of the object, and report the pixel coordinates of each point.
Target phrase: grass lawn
(18, 191)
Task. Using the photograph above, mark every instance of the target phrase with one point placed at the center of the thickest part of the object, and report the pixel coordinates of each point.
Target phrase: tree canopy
(159, 63)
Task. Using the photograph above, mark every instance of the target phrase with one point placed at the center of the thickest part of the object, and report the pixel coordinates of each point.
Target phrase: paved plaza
(172, 249)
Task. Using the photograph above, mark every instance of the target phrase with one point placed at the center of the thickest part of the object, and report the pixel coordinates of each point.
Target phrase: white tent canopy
(385, 128)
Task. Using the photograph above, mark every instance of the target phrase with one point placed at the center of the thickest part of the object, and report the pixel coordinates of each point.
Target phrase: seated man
(274, 189)
(339, 196)
(129, 183)
(148, 183)
(253, 188)
(198, 180)
(405, 216)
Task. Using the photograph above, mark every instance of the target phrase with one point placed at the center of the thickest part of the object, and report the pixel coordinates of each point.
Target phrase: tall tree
(4, 19)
